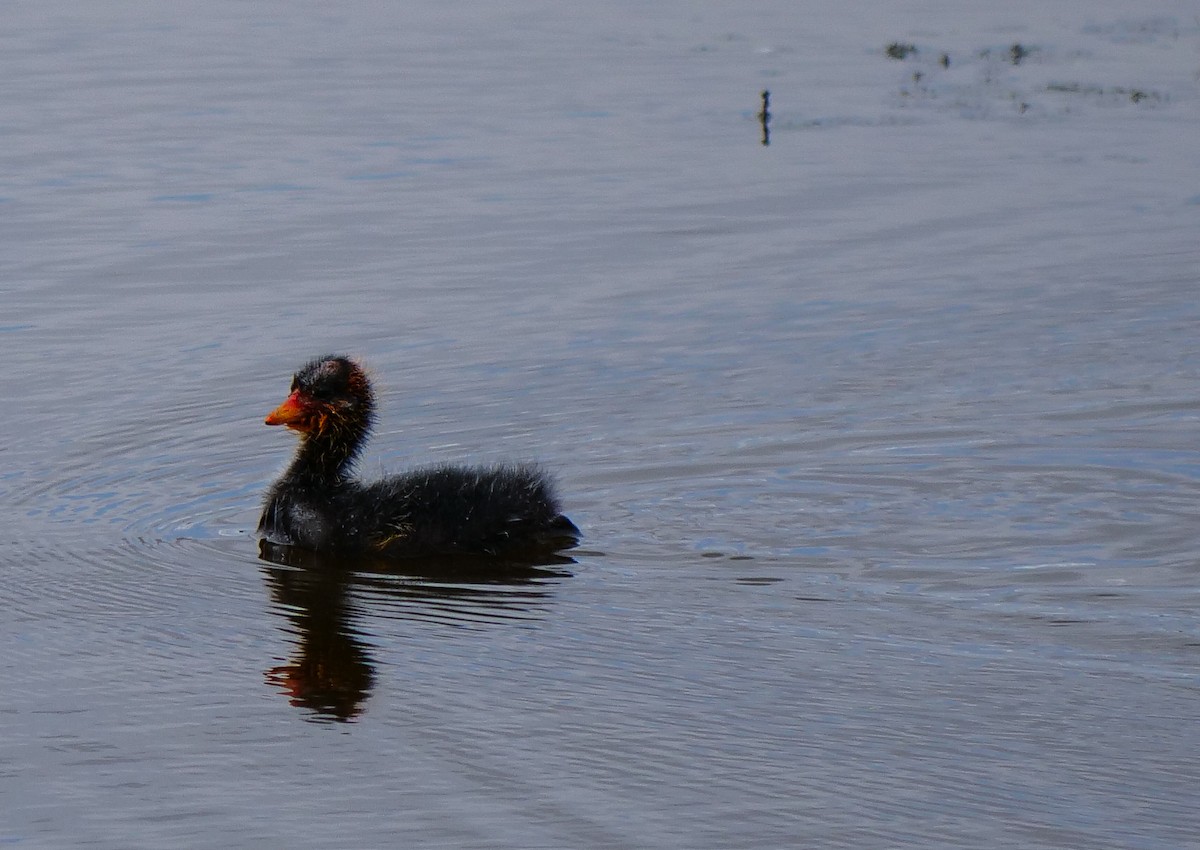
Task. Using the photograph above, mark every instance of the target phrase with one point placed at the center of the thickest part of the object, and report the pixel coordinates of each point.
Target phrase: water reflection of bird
(328, 600)
(330, 672)
(318, 505)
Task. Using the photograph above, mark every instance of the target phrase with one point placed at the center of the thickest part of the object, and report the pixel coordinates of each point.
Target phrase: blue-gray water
(882, 436)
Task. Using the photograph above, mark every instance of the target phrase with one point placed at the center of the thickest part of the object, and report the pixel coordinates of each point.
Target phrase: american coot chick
(318, 505)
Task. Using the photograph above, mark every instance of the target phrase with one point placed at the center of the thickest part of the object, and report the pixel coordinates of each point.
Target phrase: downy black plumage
(318, 504)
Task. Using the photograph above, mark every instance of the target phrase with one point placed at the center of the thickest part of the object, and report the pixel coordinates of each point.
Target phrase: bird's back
(452, 509)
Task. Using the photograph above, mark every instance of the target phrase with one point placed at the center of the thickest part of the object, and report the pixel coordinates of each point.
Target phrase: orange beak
(292, 413)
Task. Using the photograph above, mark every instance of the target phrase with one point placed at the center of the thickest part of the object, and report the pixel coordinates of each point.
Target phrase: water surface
(881, 436)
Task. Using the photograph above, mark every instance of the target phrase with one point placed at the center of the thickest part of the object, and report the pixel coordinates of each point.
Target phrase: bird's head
(330, 395)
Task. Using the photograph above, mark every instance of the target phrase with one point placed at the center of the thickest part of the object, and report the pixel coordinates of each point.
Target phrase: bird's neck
(325, 459)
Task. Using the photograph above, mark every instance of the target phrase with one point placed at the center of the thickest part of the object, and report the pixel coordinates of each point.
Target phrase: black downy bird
(441, 510)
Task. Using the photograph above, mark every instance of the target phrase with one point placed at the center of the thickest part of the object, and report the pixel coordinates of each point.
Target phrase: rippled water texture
(882, 436)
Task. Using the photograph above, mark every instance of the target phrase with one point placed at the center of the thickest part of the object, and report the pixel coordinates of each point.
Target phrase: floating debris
(764, 118)
(1000, 75)
(1109, 92)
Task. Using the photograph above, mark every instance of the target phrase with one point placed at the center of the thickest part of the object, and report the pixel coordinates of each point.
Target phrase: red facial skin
(296, 412)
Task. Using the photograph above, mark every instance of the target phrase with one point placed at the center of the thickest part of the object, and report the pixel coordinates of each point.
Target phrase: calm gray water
(882, 436)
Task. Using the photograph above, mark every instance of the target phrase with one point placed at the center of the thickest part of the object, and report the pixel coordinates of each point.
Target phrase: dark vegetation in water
(994, 81)
(764, 117)
(1111, 92)
(973, 94)
(900, 50)
(1017, 53)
